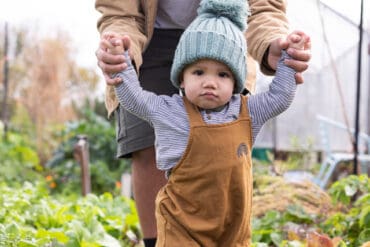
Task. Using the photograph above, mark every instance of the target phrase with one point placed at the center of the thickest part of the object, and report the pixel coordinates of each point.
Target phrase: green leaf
(342, 244)
(297, 214)
(260, 245)
(363, 200)
(52, 234)
(350, 190)
(89, 244)
(26, 243)
(365, 217)
(295, 244)
(276, 238)
(364, 236)
(12, 229)
(109, 241)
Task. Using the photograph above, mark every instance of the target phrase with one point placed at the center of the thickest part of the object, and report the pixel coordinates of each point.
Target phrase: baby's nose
(210, 81)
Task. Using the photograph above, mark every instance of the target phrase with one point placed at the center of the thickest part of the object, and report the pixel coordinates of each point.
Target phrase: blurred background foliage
(51, 101)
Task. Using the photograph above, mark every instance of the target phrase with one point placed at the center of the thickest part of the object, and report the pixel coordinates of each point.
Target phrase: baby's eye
(224, 75)
(198, 72)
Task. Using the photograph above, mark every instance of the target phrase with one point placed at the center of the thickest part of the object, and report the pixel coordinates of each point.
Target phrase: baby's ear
(181, 79)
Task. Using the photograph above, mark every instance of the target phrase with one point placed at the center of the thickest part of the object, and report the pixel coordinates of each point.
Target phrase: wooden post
(81, 154)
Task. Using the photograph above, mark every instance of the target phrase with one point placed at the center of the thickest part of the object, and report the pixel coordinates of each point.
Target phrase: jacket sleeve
(124, 17)
(266, 23)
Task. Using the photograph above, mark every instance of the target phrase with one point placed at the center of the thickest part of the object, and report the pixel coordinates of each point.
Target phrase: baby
(204, 135)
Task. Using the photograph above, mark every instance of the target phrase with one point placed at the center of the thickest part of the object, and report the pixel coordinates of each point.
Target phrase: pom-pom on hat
(216, 33)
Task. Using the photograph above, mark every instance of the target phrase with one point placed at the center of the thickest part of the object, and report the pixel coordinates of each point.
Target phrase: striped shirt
(168, 116)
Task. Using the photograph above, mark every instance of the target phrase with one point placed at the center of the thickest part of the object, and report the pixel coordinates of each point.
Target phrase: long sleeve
(133, 98)
(277, 99)
(169, 118)
(166, 114)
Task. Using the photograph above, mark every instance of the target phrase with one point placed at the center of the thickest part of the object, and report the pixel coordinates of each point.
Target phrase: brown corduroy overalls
(207, 200)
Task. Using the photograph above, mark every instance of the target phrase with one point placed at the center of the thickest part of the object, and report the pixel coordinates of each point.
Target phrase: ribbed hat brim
(195, 45)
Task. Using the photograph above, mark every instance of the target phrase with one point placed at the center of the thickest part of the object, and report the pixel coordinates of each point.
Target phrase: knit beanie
(216, 33)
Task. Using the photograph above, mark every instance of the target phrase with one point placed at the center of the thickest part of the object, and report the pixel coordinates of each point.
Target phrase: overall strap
(244, 112)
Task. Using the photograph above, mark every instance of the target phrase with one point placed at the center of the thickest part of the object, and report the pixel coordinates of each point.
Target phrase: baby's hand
(298, 40)
(117, 44)
(117, 47)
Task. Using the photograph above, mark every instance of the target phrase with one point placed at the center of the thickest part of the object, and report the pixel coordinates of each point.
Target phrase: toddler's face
(208, 83)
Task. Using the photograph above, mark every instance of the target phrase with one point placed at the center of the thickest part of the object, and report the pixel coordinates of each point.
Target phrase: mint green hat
(216, 33)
